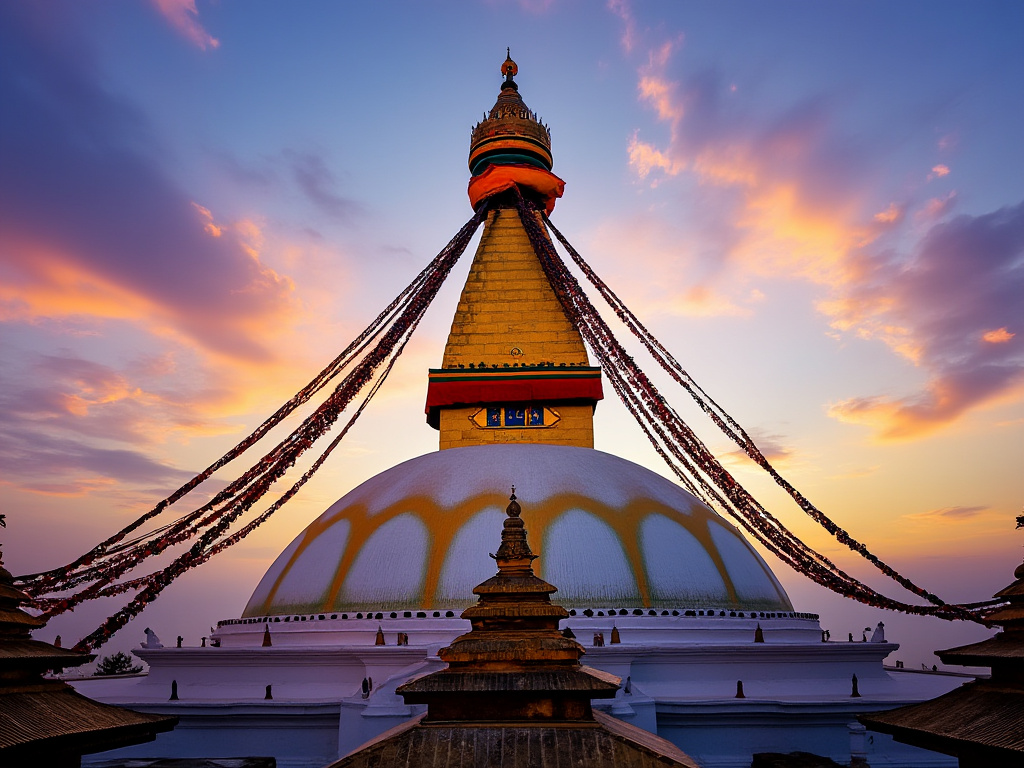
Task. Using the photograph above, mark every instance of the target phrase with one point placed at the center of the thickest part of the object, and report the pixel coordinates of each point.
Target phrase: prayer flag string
(685, 453)
(98, 571)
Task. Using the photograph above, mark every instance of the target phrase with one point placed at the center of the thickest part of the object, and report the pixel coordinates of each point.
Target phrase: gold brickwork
(575, 427)
(508, 315)
(508, 304)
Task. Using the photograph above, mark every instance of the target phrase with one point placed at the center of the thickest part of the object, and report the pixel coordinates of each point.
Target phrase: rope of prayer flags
(100, 568)
(684, 452)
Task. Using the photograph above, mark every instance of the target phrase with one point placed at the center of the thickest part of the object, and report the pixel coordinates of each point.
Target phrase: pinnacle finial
(514, 546)
(509, 68)
(513, 509)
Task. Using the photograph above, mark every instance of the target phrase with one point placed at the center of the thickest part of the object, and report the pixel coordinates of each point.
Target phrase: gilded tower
(514, 370)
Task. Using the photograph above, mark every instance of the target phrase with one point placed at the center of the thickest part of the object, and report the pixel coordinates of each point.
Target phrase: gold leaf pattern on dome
(444, 524)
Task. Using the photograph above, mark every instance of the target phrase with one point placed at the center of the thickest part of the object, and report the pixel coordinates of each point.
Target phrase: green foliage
(117, 664)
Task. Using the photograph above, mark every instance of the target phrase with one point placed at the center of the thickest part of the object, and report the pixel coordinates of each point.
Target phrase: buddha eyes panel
(515, 416)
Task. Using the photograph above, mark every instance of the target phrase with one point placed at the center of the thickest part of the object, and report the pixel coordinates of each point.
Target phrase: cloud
(184, 17)
(103, 250)
(58, 429)
(39, 463)
(536, 7)
(948, 513)
(998, 336)
(94, 225)
(771, 445)
(70, 426)
(666, 247)
(950, 309)
(209, 227)
(644, 158)
(890, 215)
(938, 172)
(624, 10)
(317, 183)
(769, 197)
(937, 207)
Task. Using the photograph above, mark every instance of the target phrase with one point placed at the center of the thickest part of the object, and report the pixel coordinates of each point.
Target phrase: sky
(817, 207)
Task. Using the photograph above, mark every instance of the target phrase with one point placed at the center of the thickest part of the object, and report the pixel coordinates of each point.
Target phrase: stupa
(665, 593)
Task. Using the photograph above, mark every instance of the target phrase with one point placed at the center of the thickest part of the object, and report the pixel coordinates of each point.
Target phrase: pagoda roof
(977, 716)
(50, 717)
(43, 721)
(25, 652)
(597, 683)
(1001, 648)
(604, 743)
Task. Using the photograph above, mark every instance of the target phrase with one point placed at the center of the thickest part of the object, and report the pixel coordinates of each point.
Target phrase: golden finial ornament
(508, 67)
(513, 509)
(510, 133)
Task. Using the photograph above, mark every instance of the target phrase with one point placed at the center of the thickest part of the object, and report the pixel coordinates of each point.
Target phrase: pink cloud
(937, 207)
(890, 215)
(184, 17)
(770, 183)
(644, 158)
(95, 226)
(624, 10)
(952, 303)
(536, 7)
(938, 171)
(207, 217)
(949, 513)
(772, 446)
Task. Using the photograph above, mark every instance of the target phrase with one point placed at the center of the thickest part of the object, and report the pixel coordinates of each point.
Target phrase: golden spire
(515, 647)
(510, 132)
(515, 369)
(509, 69)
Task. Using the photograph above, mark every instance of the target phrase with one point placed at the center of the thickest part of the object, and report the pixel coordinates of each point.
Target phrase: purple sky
(817, 207)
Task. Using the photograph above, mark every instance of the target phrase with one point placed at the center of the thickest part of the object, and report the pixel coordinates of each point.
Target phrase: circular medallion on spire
(511, 133)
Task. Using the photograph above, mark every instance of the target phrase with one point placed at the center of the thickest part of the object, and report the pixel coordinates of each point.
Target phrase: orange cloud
(890, 215)
(644, 158)
(50, 284)
(659, 93)
(46, 283)
(72, 488)
(184, 17)
(780, 213)
(998, 336)
(945, 398)
(208, 226)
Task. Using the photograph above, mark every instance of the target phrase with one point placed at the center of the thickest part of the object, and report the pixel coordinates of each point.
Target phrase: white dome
(608, 533)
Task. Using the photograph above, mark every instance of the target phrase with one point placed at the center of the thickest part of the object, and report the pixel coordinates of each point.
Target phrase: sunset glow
(203, 202)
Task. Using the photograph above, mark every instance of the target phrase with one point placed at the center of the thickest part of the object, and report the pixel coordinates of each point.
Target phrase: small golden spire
(509, 68)
(514, 553)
